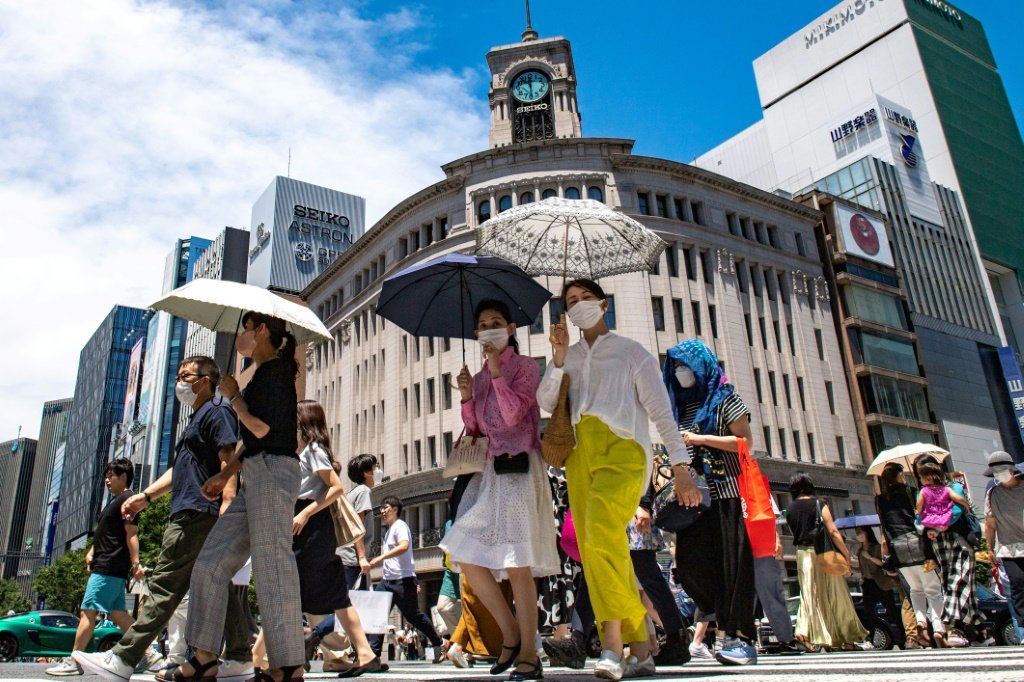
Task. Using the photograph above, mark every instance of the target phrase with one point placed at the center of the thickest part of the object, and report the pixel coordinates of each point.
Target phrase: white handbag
(373, 608)
(469, 456)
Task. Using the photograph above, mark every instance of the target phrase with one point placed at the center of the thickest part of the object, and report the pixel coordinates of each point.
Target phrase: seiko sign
(343, 235)
(836, 21)
(262, 237)
(532, 107)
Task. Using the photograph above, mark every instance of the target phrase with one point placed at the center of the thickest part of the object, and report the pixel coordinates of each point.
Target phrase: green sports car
(47, 633)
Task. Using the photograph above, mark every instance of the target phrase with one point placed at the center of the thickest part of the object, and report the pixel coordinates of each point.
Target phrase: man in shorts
(113, 556)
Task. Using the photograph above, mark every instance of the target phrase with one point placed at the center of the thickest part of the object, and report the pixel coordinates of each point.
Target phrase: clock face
(530, 86)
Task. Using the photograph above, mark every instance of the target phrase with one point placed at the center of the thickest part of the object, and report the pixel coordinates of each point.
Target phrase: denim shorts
(104, 593)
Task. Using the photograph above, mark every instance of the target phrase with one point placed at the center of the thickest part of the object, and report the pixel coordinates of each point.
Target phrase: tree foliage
(11, 598)
(62, 584)
(152, 524)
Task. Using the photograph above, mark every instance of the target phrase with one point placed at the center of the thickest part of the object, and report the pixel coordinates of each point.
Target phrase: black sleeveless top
(802, 517)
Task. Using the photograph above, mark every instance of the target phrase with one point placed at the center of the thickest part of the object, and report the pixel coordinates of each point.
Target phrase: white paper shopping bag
(373, 609)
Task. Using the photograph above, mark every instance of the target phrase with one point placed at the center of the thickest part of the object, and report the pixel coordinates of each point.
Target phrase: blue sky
(677, 76)
(127, 124)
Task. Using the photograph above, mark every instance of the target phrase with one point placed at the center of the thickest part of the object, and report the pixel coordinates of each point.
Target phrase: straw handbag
(559, 437)
(348, 527)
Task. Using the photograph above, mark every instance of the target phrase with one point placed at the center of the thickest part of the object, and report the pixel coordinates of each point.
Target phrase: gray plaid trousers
(258, 521)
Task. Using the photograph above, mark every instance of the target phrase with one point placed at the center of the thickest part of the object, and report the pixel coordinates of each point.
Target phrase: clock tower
(533, 90)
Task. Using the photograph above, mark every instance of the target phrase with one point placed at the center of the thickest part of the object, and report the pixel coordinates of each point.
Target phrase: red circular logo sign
(864, 234)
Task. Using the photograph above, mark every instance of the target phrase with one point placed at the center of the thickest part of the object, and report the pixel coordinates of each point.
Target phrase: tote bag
(348, 527)
(373, 608)
(469, 456)
(758, 515)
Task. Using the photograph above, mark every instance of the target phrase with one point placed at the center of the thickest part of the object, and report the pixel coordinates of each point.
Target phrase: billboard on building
(863, 235)
(298, 230)
(131, 395)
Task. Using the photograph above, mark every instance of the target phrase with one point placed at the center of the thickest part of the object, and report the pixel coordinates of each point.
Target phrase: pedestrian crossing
(991, 664)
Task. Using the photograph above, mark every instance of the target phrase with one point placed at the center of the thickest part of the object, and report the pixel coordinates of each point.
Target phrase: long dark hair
(869, 536)
(280, 337)
(502, 309)
(312, 424)
(890, 477)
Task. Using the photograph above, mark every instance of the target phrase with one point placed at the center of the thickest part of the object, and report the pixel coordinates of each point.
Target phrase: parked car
(47, 633)
(996, 611)
(881, 633)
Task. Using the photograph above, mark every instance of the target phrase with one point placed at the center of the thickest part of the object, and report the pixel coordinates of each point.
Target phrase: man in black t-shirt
(114, 556)
(208, 440)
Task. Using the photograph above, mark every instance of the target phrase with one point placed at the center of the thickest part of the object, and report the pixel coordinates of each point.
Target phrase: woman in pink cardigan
(504, 528)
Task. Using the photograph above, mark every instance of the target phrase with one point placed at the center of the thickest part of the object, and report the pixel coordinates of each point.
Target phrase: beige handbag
(559, 439)
(469, 456)
(348, 527)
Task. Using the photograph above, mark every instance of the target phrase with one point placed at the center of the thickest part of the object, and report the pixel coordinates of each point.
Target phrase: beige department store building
(741, 273)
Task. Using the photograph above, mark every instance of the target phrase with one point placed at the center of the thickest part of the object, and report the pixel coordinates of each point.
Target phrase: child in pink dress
(935, 503)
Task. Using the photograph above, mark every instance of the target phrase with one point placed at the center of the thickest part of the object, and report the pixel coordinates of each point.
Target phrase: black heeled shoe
(535, 673)
(499, 667)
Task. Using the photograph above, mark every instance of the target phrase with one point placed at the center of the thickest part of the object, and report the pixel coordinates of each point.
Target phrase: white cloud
(125, 125)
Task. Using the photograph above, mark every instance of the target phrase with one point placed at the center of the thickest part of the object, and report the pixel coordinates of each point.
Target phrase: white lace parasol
(571, 238)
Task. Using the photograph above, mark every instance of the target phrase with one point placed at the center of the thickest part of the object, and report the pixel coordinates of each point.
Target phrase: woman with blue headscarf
(713, 555)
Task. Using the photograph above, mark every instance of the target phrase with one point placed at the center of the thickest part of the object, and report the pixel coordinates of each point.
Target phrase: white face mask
(378, 476)
(496, 337)
(1003, 476)
(586, 314)
(184, 393)
(685, 377)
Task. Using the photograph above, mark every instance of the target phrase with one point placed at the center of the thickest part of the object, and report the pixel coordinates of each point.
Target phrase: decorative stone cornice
(695, 174)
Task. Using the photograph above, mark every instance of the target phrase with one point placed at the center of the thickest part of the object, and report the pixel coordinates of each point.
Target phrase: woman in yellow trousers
(615, 388)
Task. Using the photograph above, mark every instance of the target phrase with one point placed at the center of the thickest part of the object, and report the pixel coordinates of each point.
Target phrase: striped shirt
(731, 409)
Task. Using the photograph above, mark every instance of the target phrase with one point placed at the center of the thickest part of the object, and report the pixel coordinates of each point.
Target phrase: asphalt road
(992, 664)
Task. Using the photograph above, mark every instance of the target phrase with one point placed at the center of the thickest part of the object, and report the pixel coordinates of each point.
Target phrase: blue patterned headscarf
(710, 390)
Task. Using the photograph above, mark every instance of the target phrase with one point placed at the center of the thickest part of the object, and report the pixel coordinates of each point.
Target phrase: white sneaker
(609, 666)
(151, 660)
(234, 671)
(637, 668)
(955, 639)
(701, 651)
(107, 665)
(66, 667)
(457, 656)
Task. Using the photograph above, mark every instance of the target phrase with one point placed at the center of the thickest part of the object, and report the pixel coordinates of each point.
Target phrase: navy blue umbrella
(438, 298)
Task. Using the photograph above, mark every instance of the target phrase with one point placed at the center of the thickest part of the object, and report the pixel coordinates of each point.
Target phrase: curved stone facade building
(741, 272)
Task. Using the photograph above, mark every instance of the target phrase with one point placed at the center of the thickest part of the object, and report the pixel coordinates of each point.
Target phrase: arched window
(548, 193)
(526, 198)
(595, 193)
(504, 203)
(572, 193)
(483, 211)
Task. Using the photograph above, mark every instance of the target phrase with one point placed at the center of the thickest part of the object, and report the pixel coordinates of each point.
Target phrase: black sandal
(499, 667)
(197, 672)
(536, 672)
(286, 675)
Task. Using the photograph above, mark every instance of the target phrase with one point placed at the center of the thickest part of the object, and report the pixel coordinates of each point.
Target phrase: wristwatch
(149, 500)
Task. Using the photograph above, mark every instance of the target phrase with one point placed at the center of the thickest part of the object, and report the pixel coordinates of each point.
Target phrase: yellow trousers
(605, 477)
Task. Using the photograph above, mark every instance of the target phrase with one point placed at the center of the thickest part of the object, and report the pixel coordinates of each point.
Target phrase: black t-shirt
(270, 396)
(802, 517)
(110, 543)
(196, 457)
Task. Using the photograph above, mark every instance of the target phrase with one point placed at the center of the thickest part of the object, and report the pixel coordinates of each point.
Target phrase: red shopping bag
(758, 515)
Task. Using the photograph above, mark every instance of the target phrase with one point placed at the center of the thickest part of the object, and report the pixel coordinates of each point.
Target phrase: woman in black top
(259, 519)
(826, 615)
(907, 550)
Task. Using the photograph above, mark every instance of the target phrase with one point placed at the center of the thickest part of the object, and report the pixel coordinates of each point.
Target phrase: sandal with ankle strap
(499, 667)
(175, 674)
(536, 672)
